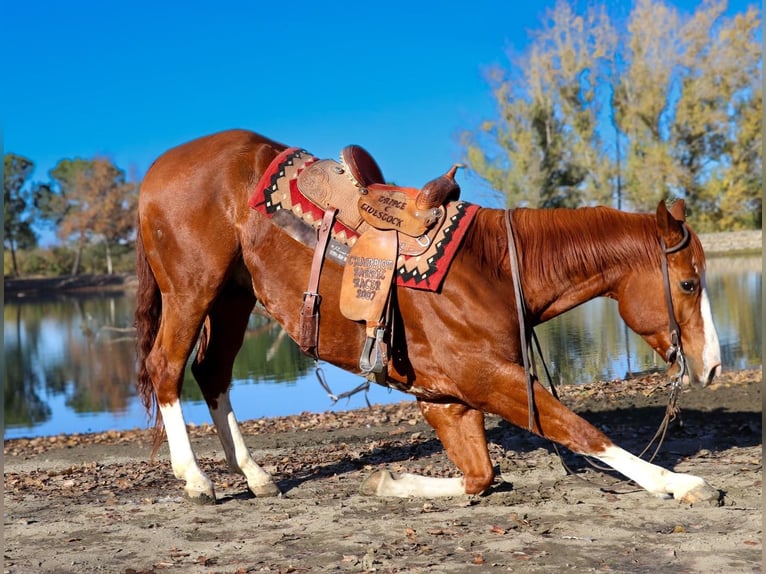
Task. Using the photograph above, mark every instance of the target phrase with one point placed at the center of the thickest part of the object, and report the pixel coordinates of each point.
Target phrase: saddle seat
(355, 187)
(390, 221)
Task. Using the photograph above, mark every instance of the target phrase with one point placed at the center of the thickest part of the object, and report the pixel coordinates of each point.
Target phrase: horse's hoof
(703, 493)
(201, 498)
(266, 490)
(372, 484)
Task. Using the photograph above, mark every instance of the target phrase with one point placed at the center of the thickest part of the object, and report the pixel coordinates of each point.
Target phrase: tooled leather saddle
(390, 221)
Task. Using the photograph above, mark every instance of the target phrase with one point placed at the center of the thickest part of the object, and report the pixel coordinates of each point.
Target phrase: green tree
(18, 206)
(94, 202)
(720, 104)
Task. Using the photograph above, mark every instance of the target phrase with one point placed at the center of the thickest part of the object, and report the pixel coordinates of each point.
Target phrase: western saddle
(390, 221)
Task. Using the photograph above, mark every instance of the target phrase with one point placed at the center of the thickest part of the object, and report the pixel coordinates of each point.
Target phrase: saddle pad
(277, 191)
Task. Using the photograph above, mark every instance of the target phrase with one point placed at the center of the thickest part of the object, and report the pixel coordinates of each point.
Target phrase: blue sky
(132, 79)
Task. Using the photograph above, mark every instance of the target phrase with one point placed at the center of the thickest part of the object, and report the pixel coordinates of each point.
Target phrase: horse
(204, 258)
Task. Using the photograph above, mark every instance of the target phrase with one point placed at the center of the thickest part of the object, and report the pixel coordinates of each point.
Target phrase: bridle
(674, 357)
(675, 353)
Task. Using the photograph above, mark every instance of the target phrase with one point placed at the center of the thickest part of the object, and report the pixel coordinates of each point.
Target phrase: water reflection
(72, 347)
(736, 299)
(70, 362)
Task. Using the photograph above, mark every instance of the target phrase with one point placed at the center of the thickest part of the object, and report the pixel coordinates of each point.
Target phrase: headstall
(675, 351)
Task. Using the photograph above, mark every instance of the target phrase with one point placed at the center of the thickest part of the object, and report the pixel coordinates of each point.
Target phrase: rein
(525, 334)
(674, 357)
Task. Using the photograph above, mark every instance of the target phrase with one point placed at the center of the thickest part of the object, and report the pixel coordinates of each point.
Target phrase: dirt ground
(94, 503)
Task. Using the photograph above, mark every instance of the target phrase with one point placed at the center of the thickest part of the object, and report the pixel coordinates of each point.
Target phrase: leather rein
(674, 357)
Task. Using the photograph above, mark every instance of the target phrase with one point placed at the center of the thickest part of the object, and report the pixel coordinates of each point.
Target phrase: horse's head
(644, 305)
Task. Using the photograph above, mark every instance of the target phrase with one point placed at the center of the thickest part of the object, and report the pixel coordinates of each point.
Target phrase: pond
(69, 363)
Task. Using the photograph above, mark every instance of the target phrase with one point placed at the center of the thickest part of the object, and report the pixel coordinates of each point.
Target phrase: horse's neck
(569, 257)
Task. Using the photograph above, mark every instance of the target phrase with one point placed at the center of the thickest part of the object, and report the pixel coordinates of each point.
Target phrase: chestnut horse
(205, 257)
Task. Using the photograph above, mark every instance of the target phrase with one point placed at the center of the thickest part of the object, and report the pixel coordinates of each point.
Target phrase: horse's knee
(479, 482)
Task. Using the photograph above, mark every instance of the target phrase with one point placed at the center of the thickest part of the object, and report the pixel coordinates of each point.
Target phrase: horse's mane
(559, 244)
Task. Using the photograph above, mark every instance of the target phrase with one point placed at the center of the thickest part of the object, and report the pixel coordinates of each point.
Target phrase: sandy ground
(94, 503)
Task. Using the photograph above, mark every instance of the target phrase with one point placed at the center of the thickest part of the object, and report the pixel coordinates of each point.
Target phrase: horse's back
(227, 163)
(194, 200)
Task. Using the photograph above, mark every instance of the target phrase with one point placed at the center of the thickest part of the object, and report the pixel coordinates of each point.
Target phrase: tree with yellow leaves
(669, 105)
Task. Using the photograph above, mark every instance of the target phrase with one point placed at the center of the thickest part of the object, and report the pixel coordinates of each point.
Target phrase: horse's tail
(147, 323)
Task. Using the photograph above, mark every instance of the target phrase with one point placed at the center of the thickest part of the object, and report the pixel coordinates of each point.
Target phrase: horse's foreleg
(222, 337)
(507, 397)
(655, 479)
(461, 431)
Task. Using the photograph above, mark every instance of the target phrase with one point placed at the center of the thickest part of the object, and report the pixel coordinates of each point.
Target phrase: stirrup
(374, 358)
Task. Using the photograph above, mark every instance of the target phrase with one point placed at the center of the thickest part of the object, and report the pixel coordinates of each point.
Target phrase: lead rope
(675, 357)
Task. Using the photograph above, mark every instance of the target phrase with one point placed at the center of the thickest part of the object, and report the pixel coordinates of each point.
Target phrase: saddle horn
(437, 191)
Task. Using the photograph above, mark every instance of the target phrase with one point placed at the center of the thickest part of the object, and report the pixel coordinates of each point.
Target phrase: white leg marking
(182, 458)
(383, 483)
(655, 479)
(711, 352)
(237, 454)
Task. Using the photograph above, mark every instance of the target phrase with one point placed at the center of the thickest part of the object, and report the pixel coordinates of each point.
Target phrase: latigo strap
(309, 316)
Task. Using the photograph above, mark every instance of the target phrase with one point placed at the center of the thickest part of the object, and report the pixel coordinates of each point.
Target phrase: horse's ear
(670, 222)
(678, 210)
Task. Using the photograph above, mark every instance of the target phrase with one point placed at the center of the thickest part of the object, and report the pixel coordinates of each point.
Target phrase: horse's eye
(688, 286)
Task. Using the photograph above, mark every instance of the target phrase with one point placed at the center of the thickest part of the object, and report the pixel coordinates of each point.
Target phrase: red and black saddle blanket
(277, 197)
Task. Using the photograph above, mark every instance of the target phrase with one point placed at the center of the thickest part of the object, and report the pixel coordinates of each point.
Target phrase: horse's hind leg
(178, 331)
(221, 339)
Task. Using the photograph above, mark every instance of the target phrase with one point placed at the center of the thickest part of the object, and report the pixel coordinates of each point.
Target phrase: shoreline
(576, 396)
(732, 242)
